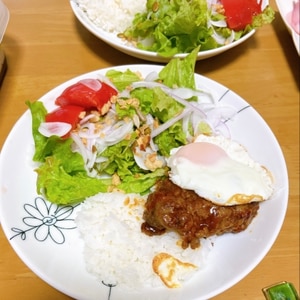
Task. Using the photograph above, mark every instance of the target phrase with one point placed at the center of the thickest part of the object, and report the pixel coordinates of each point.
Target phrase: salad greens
(62, 176)
(171, 27)
(179, 26)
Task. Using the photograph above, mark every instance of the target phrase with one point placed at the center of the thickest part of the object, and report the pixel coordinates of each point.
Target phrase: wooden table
(45, 45)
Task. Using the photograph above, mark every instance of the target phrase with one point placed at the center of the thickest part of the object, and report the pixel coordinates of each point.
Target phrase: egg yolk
(202, 153)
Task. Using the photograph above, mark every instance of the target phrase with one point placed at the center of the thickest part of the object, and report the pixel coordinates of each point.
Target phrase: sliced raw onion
(152, 76)
(79, 147)
(171, 93)
(221, 40)
(60, 129)
(118, 132)
(169, 123)
(140, 158)
(147, 84)
(86, 119)
(106, 80)
(93, 84)
(219, 23)
(186, 93)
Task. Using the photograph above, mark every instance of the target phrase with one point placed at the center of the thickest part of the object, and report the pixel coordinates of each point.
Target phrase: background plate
(112, 40)
(285, 7)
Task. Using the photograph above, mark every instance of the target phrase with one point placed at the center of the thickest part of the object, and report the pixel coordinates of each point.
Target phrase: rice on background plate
(117, 252)
(113, 16)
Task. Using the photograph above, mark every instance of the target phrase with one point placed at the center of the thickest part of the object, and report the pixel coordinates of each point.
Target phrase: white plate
(285, 7)
(31, 224)
(112, 40)
(4, 17)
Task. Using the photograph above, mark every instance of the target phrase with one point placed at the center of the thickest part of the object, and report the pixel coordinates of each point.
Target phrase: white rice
(112, 15)
(117, 252)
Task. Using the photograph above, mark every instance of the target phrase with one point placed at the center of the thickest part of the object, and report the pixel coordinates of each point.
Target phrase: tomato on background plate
(239, 13)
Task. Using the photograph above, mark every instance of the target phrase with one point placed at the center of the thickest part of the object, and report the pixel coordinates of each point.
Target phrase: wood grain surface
(45, 45)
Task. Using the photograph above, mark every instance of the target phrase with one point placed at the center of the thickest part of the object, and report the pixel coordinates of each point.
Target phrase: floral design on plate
(47, 221)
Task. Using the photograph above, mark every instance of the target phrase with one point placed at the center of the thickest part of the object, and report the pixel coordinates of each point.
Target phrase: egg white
(236, 179)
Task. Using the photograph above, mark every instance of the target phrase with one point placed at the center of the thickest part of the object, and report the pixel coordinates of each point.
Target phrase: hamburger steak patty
(171, 208)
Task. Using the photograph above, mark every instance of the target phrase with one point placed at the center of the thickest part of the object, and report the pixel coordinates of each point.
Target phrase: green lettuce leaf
(177, 26)
(266, 17)
(61, 184)
(180, 72)
(122, 79)
(120, 159)
(171, 138)
(142, 183)
(38, 113)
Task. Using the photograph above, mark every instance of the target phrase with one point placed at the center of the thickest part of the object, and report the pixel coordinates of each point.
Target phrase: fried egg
(171, 270)
(220, 170)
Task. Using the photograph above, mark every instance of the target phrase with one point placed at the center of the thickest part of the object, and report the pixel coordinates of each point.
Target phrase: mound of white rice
(117, 252)
(112, 15)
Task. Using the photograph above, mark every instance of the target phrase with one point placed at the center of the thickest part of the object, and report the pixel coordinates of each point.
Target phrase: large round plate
(46, 239)
(112, 40)
(285, 7)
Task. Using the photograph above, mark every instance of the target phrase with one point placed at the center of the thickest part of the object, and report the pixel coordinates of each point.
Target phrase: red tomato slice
(67, 114)
(239, 13)
(87, 93)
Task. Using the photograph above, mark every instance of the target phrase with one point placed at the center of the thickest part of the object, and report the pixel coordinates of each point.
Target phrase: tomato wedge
(67, 114)
(87, 93)
(239, 13)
